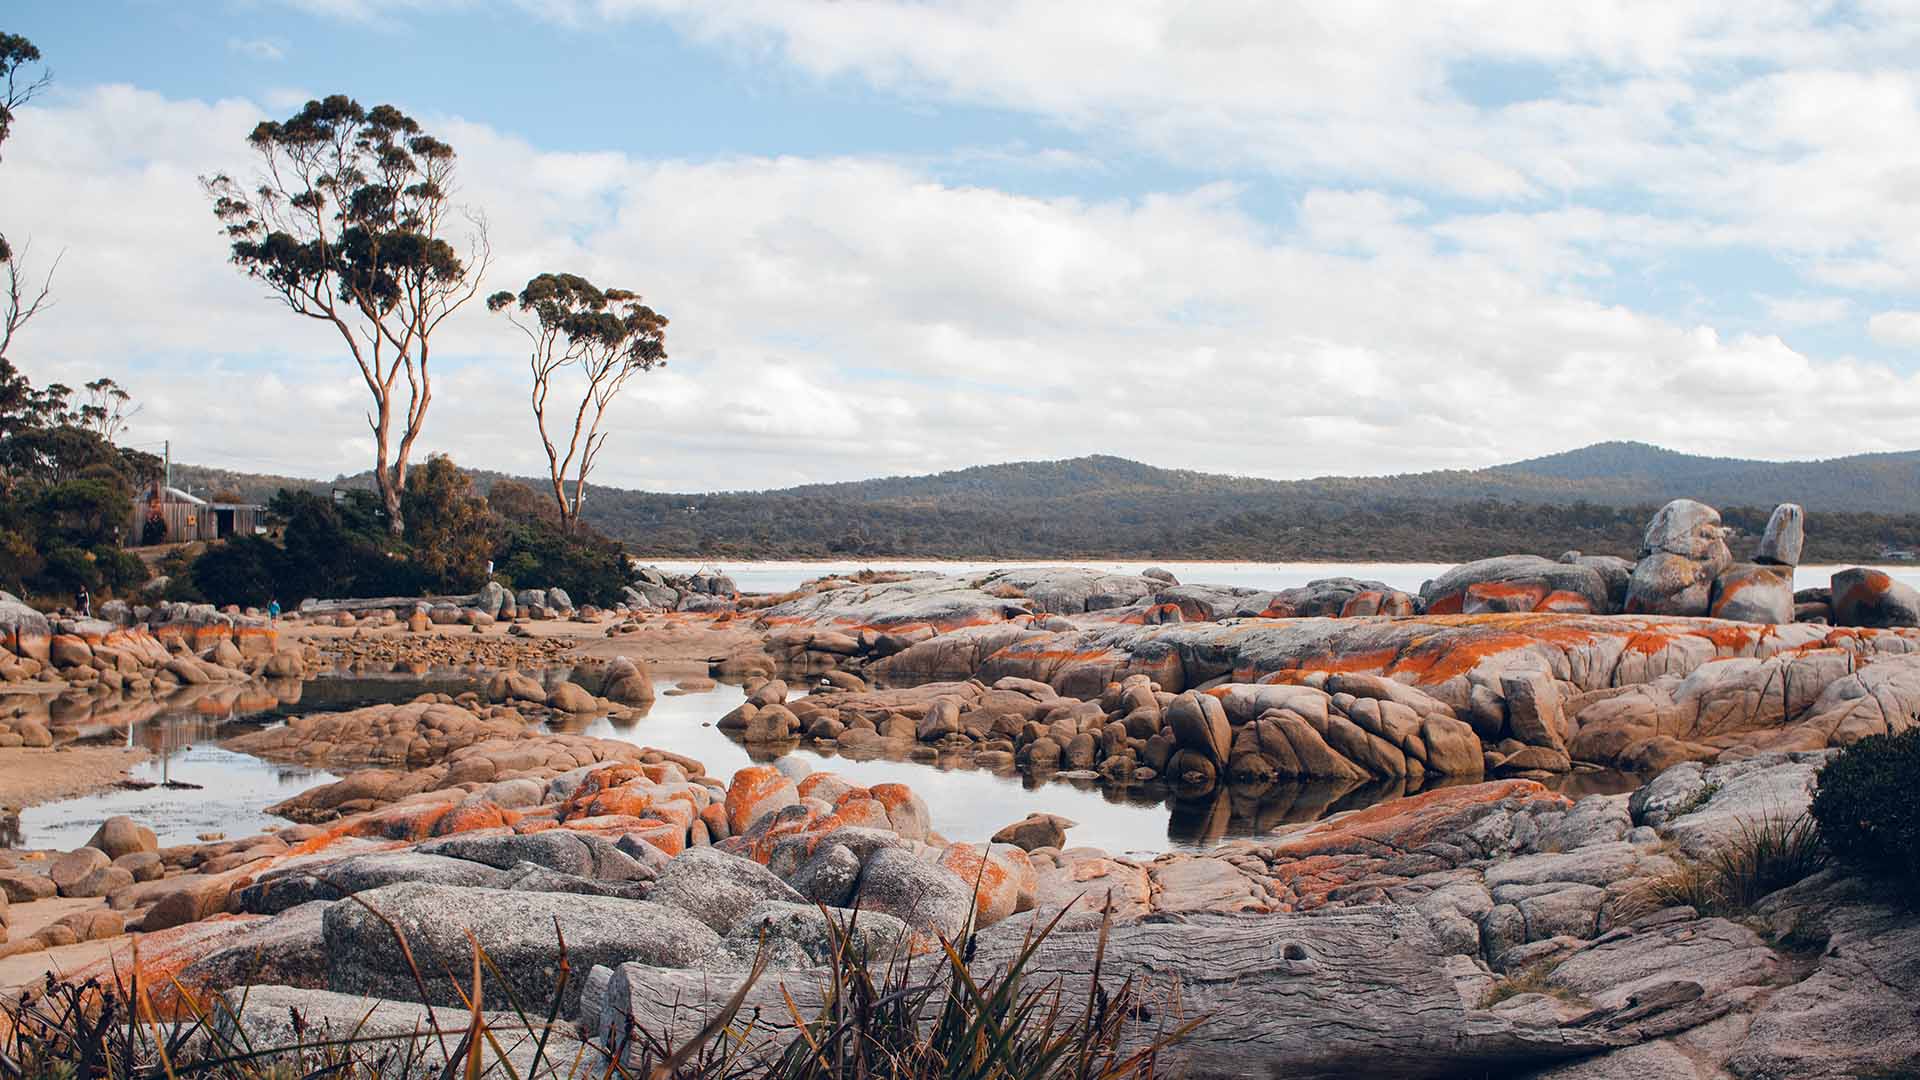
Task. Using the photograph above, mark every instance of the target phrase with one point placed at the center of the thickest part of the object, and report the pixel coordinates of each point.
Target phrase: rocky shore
(1495, 926)
(1483, 923)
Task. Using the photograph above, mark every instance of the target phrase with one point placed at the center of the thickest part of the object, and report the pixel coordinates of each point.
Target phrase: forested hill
(1596, 499)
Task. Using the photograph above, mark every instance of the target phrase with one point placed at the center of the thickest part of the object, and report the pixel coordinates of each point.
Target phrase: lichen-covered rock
(1514, 583)
(1684, 549)
(1867, 597)
(1785, 536)
(922, 894)
(1753, 592)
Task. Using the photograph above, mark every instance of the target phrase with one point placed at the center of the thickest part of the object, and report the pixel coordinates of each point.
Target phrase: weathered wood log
(355, 605)
(1362, 991)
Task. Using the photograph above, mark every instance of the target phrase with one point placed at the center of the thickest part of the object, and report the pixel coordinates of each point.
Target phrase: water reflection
(190, 785)
(196, 787)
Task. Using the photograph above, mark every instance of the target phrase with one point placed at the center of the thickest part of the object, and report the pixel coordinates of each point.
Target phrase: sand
(32, 776)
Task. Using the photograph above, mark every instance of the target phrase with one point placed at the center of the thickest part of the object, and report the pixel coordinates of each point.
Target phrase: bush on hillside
(536, 555)
(1865, 805)
(327, 548)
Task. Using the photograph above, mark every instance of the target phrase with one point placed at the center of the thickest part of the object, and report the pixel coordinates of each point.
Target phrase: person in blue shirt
(273, 609)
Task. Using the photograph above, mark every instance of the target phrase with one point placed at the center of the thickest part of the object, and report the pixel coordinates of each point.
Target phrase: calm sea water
(231, 791)
(777, 577)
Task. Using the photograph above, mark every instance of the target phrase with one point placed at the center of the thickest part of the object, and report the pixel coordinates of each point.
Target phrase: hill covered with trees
(1597, 499)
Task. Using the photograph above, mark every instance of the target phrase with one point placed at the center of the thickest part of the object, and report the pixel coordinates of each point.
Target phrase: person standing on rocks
(83, 603)
(273, 610)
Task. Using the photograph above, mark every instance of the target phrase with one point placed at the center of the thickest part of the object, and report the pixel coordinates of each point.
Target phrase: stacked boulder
(1684, 550)
(1762, 591)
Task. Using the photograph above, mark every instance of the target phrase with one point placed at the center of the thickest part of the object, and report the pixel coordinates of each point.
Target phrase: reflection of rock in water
(9, 827)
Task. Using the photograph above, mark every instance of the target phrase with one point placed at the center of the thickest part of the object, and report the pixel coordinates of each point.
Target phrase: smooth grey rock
(122, 835)
(516, 928)
(1854, 1014)
(716, 888)
(75, 869)
(828, 876)
(532, 877)
(1717, 954)
(922, 894)
(262, 1016)
(275, 892)
(564, 850)
(1534, 712)
(1595, 864)
(801, 935)
(1785, 536)
(1744, 795)
(288, 949)
(1568, 910)
(1594, 819)
(1647, 1061)
(1686, 528)
(1366, 991)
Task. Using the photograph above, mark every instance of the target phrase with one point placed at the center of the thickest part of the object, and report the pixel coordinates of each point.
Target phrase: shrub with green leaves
(1867, 808)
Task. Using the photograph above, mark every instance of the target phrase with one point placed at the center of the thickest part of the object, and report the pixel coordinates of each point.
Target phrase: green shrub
(1867, 809)
(240, 571)
(121, 571)
(534, 554)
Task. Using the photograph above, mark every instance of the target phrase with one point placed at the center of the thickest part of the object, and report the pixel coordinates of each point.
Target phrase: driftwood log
(1363, 991)
(355, 605)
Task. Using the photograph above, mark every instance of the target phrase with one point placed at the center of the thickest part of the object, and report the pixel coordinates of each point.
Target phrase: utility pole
(169, 445)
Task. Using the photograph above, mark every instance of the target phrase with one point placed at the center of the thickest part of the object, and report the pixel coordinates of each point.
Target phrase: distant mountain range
(1596, 498)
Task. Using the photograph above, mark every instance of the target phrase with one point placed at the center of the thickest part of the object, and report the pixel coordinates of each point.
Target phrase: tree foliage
(20, 298)
(600, 336)
(347, 223)
(340, 547)
(66, 495)
(448, 529)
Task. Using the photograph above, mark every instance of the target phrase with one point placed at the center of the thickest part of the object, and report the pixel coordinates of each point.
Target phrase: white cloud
(256, 48)
(844, 317)
(1895, 327)
(1807, 310)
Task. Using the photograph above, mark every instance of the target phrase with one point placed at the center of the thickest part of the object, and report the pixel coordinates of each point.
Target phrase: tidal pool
(232, 791)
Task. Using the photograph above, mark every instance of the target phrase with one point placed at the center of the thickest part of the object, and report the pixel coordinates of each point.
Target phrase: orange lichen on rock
(856, 808)
(158, 957)
(757, 790)
(1402, 824)
(1002, 878)
(469, 817)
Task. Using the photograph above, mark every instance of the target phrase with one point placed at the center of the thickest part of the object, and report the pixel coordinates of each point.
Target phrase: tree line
(349, 219)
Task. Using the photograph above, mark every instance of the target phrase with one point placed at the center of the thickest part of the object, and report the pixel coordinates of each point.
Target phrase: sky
(1241, 236)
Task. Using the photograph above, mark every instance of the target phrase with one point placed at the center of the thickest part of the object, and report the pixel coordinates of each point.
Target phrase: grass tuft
(891, 1023)
(1763, 858)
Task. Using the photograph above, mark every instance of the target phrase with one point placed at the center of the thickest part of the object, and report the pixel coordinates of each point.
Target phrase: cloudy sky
(895, 237)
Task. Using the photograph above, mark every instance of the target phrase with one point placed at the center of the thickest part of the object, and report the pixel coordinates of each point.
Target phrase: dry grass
(1763, 858)
(878, 1024)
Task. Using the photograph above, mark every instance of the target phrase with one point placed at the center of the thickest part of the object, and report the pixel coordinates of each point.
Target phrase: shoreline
(888, 561)
(31, 776)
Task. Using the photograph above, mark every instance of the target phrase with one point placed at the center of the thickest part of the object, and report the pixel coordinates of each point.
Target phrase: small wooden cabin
(187, 517)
